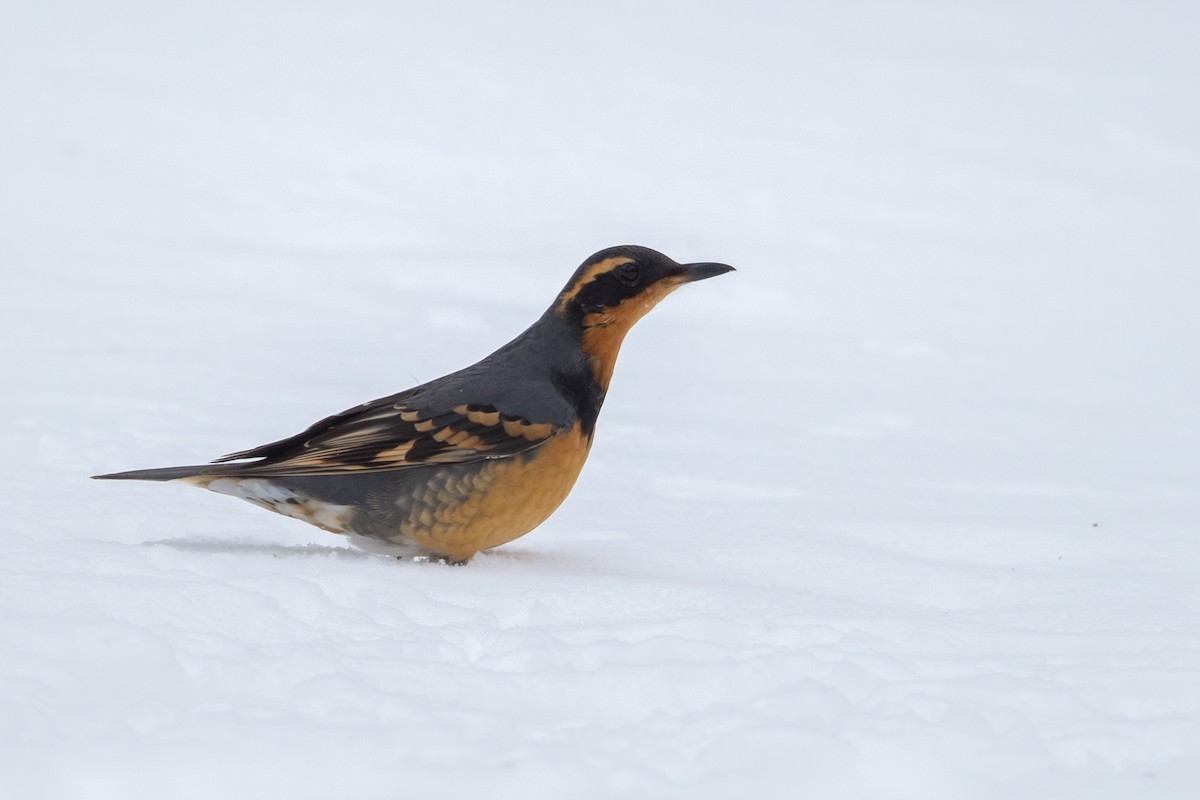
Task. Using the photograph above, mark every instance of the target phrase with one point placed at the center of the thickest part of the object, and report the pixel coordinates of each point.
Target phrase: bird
(471, 460)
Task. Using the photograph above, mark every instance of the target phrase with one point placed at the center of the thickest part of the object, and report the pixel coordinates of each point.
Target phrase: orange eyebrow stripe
(593, 272)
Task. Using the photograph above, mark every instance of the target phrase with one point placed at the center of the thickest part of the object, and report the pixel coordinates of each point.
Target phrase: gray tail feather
(168, 473)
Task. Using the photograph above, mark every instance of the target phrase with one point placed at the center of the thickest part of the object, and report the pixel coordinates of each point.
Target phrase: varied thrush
(471, 460)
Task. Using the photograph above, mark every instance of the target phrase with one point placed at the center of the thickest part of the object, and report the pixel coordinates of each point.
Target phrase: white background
(906, 507)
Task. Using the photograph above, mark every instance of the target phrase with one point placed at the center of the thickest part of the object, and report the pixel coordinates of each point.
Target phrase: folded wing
(388, 434)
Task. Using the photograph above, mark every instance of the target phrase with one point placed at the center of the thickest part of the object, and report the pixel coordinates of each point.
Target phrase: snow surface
(906, 507)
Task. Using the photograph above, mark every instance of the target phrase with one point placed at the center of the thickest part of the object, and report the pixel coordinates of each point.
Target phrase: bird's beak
(698, 272)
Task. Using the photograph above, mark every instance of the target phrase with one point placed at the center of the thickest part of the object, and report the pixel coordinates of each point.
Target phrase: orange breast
(503, 500)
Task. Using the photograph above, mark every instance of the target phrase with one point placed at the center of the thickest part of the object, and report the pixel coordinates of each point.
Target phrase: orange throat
(604, 331)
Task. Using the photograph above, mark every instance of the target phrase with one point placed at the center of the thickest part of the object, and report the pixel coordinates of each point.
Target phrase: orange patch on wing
(530, 431)
(397, 453)
(489, 418)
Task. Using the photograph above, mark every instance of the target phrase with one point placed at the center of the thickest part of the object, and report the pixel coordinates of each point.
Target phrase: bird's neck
(601, 346)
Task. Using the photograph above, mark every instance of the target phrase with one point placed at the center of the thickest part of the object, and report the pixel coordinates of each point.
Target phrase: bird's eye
(628, 273)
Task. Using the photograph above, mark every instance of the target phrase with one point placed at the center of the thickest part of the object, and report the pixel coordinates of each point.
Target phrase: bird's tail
(168, 473)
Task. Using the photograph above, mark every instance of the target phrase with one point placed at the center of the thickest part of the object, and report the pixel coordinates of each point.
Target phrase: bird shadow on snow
(223, 546)
(504, 557)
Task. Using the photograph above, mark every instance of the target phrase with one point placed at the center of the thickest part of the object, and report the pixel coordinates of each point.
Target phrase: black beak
(698, 272)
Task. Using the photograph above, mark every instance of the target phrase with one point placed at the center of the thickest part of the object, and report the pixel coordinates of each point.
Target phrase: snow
(906, 507)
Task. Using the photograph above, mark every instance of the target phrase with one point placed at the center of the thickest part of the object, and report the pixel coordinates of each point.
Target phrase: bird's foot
(430, 557)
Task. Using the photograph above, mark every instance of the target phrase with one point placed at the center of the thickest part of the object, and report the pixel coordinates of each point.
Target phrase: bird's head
(614, 289)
